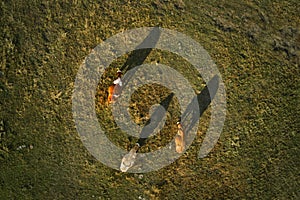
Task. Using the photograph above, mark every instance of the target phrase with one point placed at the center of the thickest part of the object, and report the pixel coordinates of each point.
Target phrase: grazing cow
(115, 89)
(179, 139)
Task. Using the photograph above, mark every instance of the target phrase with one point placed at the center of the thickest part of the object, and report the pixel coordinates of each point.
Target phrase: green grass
(255, 45)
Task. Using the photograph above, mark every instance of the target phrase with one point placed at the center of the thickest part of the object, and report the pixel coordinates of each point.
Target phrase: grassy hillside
(255, 44)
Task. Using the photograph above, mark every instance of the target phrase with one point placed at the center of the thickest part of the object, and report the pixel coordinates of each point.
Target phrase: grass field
(256, 47)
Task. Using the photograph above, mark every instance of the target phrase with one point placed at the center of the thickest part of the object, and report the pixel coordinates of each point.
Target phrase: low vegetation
(255, 45)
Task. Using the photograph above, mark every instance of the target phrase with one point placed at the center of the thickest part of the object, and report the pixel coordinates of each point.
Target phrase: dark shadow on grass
(191, 115)
(138, 56)
(156, 117)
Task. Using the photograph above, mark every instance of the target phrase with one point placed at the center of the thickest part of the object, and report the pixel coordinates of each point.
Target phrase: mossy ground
(255, 45)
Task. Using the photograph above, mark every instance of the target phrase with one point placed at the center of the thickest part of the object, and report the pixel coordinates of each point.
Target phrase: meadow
(256, 47)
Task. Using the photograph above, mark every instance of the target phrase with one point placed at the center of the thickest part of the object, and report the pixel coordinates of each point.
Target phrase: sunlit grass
(255, 45)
